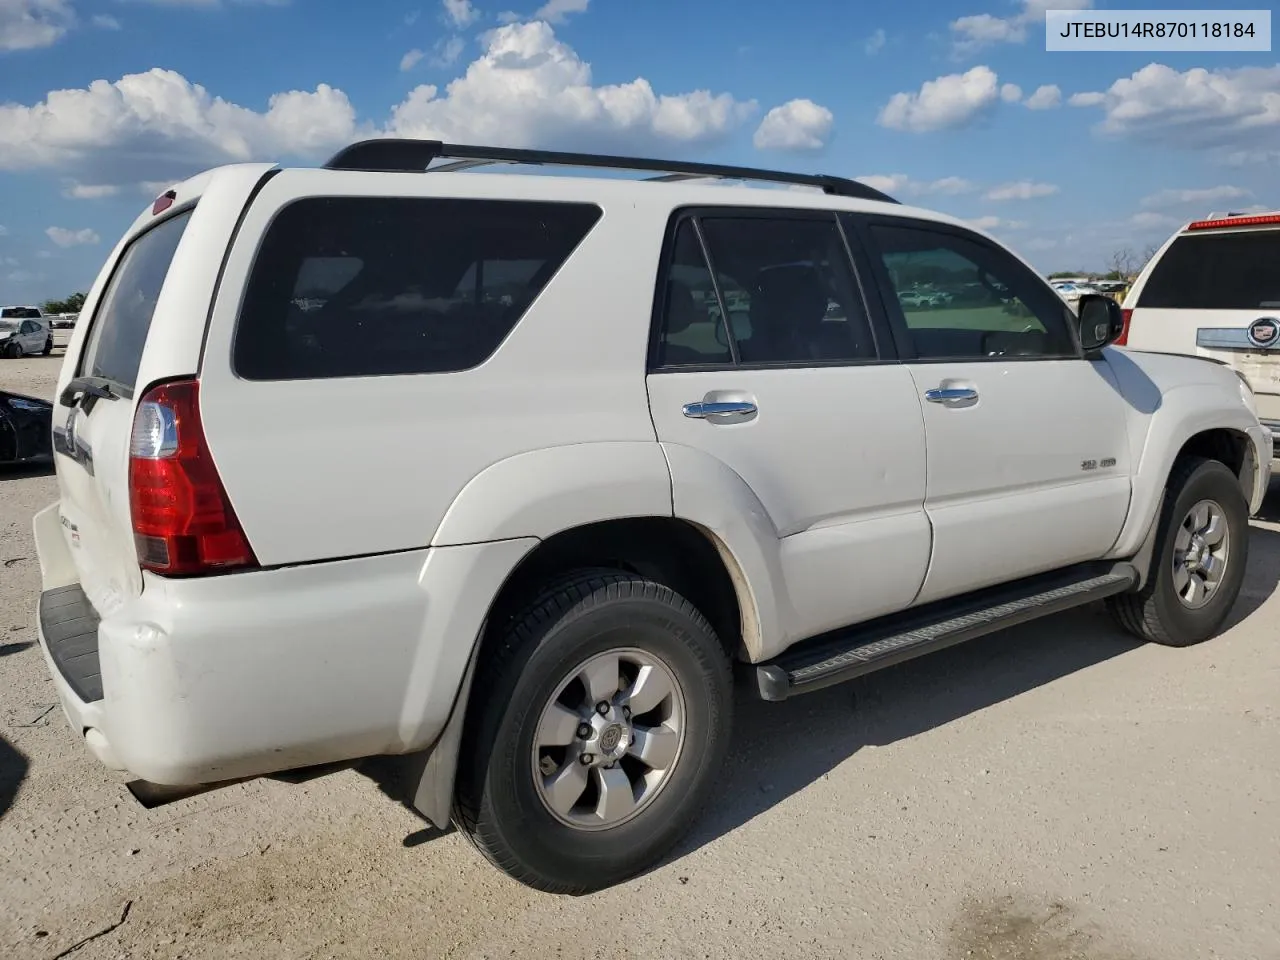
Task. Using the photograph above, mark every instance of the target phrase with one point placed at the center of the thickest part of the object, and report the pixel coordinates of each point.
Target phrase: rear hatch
(146, 315)
(1214, 291)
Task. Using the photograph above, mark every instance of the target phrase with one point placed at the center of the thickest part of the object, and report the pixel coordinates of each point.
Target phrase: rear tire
(560, 783)
(48, 347)
(1198, 565)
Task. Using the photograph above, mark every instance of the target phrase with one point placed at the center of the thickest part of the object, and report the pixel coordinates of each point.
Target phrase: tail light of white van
(1123, 339)
(183, 523)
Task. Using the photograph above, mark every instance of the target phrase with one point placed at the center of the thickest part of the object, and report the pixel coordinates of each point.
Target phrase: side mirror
(1100, 321)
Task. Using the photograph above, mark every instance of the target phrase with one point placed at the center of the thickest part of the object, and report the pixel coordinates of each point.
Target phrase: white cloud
(530, 89)
(984, 29)
(1046, 97)
(411, 59)
(1243, 158)
(104, 21)
(89, 191)
(1148, 220)
(461, 13)
(158, 124)
(4, 231)
(526, 89)
(1087, 99)
(9, 261)
(28, 24)
(1042, 243)
(447, 52)
(1010, 93)
(1196, 108)
(950, 101)
(71, 238)
(900, 183)
(556, 11)
(875, 43)
(996, 223)
(1175, 198)
(796, 125)
(1021, 190)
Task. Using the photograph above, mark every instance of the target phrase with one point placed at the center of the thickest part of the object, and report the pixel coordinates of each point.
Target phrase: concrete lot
(1054, 792)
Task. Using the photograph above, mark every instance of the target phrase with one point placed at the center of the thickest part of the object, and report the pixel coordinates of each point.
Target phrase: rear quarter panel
(351, 466)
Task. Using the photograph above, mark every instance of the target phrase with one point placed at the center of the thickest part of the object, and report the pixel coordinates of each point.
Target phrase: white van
(1213, 290)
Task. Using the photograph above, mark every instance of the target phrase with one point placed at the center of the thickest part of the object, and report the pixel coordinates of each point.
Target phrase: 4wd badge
(1264, 332)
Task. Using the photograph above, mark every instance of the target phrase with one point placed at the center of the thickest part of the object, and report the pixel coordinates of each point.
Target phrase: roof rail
(405, 155)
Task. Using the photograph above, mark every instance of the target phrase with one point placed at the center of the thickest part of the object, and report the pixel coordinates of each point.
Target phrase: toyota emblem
(1264, 332)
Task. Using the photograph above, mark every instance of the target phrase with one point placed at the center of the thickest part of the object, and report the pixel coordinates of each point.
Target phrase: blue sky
(951, 104)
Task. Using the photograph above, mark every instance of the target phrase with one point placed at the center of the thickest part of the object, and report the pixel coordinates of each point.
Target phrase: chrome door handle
(950, 394)
(712, 409)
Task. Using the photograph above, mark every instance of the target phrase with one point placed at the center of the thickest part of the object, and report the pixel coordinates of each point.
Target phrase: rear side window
(123, 319)
(1222, 271)
(373, 286)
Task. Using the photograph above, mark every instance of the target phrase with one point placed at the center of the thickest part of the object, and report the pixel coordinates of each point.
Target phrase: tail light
(1123, 339)
(182, 520)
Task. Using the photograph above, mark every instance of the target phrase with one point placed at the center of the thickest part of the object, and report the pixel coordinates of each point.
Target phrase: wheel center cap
(1195, 555)
(614, 740)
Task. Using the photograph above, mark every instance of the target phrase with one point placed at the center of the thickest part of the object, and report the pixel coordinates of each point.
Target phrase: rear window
(1224, 271)
(123, 318)
(20, 313)
(372, 286)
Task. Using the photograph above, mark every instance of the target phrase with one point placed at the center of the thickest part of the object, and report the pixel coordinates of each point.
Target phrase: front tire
(597, 727)
(12, 350)
(1198, 566)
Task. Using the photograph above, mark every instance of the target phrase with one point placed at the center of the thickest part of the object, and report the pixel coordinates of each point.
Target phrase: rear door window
(120, 326)
(376, 286)
(1222, 271)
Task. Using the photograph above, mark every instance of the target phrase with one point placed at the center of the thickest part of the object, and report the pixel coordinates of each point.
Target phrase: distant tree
(1122, 264)
(1062, 274)
(73, 304)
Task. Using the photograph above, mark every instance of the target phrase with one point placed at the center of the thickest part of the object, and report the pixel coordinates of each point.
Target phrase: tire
(12, 350)
(1160, 612)
(572, 629)
(48, 347)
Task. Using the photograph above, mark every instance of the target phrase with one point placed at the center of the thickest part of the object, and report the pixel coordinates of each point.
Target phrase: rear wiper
(88, 390)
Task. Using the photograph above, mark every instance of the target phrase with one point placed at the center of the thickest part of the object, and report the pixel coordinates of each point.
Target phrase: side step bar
(844, 655)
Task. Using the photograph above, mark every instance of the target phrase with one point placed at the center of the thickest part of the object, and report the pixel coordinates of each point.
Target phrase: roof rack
(405, 155)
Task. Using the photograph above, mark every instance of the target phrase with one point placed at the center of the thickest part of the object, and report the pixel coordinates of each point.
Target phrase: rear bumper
(219, 678)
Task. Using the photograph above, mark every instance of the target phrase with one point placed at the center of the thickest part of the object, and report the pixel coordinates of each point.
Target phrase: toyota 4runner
(501, 473)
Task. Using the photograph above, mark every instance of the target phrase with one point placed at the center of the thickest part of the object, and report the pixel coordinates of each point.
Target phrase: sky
(949, 104)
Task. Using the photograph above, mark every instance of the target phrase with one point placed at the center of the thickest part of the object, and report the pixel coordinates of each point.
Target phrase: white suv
(1213, 290)
(24, 330)
(501, 473)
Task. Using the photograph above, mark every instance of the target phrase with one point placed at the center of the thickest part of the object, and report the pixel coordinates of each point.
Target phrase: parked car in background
(1213, 290)
(1072, 292)
(64, 321)
(563, 526)
(24, 330)
(26, 429)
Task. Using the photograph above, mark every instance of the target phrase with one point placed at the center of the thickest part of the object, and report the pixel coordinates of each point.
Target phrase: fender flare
(1183, 413)
(544, 492)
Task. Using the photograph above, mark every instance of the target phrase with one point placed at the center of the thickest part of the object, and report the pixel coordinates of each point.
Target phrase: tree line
(73, 304)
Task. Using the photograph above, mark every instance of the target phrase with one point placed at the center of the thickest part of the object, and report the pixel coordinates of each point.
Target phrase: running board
(844, 655)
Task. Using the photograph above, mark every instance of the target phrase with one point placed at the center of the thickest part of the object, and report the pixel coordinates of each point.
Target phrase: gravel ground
(1057, 792)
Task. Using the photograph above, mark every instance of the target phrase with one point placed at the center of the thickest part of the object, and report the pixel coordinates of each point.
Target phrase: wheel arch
(687, 557)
